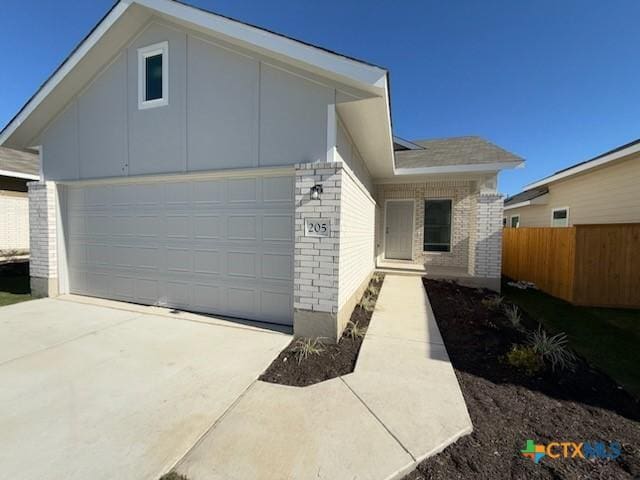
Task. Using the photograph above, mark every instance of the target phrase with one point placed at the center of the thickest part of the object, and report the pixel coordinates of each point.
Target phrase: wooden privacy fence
(596, 265)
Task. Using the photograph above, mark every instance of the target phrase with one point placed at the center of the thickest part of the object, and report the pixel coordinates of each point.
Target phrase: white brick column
(43, 266)
(488, 240)
(316, 259)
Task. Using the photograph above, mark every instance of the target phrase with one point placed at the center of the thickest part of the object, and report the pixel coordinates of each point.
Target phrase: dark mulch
(508, 407)
(334, 361)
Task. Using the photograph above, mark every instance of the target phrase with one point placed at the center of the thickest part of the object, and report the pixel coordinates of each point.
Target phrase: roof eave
(635, 148)
(14, 174)
(466, 168)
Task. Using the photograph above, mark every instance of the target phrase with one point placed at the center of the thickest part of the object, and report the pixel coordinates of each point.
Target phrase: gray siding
(60, 142)
(222, 127)
(102, 133)
(293, 114)
(157, 136)
(226, 110)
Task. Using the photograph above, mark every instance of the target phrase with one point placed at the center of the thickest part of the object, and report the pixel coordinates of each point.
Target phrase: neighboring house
(604, 189)
(194, 161)
(16, 169)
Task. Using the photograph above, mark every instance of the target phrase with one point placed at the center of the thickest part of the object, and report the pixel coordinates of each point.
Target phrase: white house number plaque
(317, 227)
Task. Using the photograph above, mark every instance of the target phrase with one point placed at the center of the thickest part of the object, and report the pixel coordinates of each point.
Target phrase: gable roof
(526, 196)
(19, 164)
(128, 16)
(471, 153)
(602, 159)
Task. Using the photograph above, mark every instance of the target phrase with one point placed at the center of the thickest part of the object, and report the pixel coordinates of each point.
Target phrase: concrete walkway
(400, 405)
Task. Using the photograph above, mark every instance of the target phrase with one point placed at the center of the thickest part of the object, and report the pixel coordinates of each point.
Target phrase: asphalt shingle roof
(19, 161)
(526, 195)
(453, 151)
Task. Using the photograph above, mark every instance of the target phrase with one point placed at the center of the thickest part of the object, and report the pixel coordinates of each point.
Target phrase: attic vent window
(153, 76)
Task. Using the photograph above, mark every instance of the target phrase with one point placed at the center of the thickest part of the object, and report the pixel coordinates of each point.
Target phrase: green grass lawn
(14, 284)
(608, 338)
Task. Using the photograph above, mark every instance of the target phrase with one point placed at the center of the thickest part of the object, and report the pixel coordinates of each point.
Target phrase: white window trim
(424, 203)
(511, 221)
(161, 48)
(557, 210)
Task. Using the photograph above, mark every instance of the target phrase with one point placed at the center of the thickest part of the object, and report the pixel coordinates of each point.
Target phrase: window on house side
(560, 217)
(504, 222)
(153, 78)
(153, 73)
(515, 221)
(437, 225)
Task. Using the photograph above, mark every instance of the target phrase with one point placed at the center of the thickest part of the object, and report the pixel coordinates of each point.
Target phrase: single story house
(16, 169)
(194, 161)
(601, 190)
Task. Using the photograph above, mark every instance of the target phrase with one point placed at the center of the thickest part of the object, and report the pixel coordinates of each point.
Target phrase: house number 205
(316, 227)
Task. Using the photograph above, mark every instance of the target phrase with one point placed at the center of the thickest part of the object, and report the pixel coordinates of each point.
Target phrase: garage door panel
(242, 227)
(220, 246)
(277, 228)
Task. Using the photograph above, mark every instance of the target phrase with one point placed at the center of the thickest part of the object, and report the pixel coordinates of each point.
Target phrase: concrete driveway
(105, 390)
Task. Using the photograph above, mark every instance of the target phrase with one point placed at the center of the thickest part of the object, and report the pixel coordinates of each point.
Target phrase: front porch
(444, 229)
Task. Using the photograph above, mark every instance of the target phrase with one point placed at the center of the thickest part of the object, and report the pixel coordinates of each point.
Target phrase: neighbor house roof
(445, 155)
(602, 159)
(524, 198)
(19, 164)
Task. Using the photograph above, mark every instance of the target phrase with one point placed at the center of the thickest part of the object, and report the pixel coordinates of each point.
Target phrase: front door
(399, 229)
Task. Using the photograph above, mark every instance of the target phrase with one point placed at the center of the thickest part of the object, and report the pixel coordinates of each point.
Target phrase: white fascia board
(476, 167)
(518, 205)
(587, 166)
(65, 68)
(10, 173)
(263, 40)
(541, 200)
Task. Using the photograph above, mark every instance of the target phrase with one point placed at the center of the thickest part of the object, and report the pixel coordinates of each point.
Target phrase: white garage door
(218, 245)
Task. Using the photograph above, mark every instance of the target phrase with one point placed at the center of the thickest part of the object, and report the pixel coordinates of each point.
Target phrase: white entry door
(218, 245)
(399, 229)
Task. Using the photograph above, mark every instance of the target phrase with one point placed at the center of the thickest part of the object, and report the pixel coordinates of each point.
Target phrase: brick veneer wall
(316, 263)
(460, 191)
(43, 266)
(488, 245)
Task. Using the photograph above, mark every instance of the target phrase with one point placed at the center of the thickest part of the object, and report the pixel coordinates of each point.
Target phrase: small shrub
(173, 476)
(378, 277)
(513, 315)
(493, 302)
(552, 349)
(367, 303)
(525, 358)
(354, 330)
(304, 347)
(372, 290)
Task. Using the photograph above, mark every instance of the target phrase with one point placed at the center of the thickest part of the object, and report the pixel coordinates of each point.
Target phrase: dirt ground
(334, 360)
(508, 407)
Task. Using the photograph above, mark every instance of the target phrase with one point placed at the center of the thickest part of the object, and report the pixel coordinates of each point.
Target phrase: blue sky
(553, 81)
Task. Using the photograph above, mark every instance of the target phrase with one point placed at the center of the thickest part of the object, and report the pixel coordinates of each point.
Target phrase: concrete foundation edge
(43, 287)
(324, 325)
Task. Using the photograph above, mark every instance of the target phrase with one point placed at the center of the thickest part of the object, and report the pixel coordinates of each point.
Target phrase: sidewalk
(400, 405)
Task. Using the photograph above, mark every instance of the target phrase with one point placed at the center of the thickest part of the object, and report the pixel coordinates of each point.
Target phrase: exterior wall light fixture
(316, 190)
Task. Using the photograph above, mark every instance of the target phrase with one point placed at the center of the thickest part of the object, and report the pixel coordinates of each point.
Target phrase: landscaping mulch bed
(507, 407)
(334, 361)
